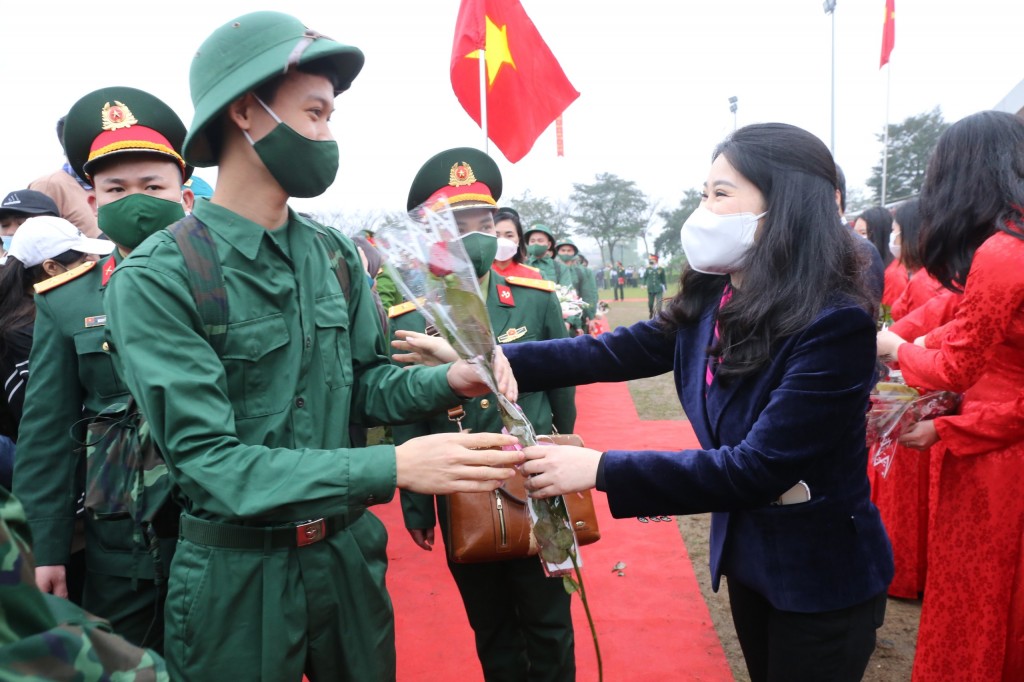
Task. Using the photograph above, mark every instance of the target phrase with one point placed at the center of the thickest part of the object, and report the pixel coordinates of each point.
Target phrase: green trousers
(654, 299)
(321, 610)
(521, 620)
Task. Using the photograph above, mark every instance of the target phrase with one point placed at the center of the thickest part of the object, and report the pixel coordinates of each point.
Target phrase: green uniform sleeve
(181, 386)
(388, 291)
(417, 508)
(48, 452)
(562, 400)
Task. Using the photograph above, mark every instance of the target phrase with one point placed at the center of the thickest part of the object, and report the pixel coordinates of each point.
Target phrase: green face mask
(303, 167)
(566, 257)
(127, 222)
(537, 250)
(481, 249)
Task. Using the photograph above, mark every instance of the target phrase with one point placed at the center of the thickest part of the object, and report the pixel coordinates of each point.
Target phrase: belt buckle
(310, 532)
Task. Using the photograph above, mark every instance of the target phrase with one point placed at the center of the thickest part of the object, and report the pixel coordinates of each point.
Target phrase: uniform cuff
(372, 476)
(51, 541)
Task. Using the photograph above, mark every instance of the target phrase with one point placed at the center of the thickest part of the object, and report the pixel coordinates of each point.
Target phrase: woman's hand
(920, 436)
(558, 469)
(888, 345)
(422, 349)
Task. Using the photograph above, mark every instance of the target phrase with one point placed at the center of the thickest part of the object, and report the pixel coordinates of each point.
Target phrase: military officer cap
(120, 120)
(540, 228)
(465, 177)
(567, 242)
(247, 52)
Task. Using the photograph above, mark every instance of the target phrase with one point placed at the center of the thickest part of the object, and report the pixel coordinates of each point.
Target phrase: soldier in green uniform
(583, 279)
(540, 246)
(127, 143)
(279, 569)
(654, 280)
(521, 618)
(43, 637)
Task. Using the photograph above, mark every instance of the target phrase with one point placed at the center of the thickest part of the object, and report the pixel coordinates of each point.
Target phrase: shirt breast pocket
(255, 357)
(95, 366)
(332, 338)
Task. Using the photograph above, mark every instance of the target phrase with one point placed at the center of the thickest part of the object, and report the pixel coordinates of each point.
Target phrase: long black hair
(803, 259)
(509, 213)
(17, 307)
(879, 222)
(974, 185)
(908, 216)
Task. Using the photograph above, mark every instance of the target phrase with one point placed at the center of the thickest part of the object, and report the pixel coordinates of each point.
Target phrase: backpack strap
(206, 279)
(338, 262)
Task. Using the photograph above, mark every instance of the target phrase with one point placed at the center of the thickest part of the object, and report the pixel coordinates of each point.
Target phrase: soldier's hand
(444, 463)
(466, 381)
(422, 349)
(52, 580)
(423, 537)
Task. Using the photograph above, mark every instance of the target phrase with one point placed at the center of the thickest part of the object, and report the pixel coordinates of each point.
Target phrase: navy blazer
(802, 417)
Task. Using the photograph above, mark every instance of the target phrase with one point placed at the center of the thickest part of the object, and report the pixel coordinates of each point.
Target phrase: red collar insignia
(108, 270)
(505, 295)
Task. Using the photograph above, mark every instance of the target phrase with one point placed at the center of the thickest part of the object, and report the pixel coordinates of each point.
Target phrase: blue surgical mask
(7, 241)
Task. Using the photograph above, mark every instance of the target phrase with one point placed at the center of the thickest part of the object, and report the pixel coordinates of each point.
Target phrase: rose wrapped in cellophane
(894, 408)
(425, 256)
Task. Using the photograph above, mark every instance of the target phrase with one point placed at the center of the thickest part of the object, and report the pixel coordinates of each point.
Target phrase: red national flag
(888, 32)
(526, 88)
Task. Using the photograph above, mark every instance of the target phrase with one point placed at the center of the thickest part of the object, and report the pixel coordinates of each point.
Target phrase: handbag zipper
(501, 517)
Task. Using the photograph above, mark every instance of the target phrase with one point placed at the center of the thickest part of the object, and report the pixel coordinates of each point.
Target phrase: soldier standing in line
(521, 618)
(279, 569)
(654, 280)
(128, 144)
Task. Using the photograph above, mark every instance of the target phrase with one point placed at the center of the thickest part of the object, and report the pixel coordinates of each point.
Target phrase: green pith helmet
(466, 177)
(121, 120)
(567, 242)
(245, 53)
(539, 228)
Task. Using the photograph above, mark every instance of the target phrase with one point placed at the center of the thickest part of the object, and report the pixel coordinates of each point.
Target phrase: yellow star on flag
(496, 47)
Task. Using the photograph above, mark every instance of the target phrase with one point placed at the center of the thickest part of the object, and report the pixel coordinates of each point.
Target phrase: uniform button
(309, 342)
(106, 347)
(300, 402)
(485, 403)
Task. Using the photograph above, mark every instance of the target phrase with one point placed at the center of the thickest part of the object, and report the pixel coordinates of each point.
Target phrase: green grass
(655, 398)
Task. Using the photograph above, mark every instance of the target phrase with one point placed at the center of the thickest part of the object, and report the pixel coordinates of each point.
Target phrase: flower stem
(590, 618)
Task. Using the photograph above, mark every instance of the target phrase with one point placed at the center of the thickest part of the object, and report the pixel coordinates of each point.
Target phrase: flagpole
(483, 99)
(885, 155)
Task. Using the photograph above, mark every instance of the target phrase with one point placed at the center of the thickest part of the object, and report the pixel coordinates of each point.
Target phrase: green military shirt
(654, 279)
(518, 312)
(261, 433)
(71, 379)
(552, 270)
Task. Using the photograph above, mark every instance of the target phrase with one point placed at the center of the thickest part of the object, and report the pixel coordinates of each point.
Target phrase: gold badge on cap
(461, 175)
(116, 116)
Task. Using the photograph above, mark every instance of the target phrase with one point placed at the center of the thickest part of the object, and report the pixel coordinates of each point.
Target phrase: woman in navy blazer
(773, 353)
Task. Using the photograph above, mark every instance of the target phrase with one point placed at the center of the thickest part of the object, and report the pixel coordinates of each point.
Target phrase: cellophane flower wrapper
(571, 303)
(425, 257)
(894, 408)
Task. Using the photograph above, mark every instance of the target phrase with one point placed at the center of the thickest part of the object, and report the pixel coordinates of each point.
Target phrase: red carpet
(652, 623)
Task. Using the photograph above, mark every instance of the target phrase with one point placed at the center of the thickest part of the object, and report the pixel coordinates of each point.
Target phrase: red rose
(440, 261)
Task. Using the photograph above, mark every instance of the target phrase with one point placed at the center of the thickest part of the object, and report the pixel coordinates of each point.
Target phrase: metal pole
(483, 99)
(885, 155)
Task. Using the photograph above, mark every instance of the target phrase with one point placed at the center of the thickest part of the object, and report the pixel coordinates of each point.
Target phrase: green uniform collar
(241, 233)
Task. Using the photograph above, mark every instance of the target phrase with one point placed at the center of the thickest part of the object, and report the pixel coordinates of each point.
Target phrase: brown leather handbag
(495, 526)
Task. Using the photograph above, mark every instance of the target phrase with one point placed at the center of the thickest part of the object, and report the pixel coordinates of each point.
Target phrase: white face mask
(506, 249)
(718, 244)
(894, 248)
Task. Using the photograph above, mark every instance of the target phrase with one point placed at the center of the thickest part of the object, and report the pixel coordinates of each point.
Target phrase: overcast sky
(654, 76)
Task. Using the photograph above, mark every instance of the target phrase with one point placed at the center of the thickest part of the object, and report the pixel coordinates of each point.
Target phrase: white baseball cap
(43, 237)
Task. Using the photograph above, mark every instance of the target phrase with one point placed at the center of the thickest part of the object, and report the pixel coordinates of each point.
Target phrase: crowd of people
(256, 347)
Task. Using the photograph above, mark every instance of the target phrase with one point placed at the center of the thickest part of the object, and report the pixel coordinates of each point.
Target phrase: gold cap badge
(116, 116)
(461, 175)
